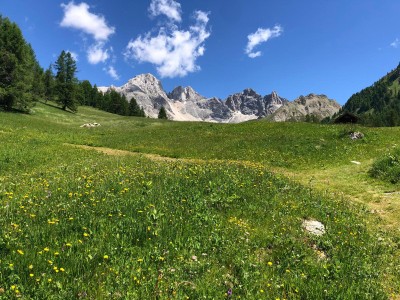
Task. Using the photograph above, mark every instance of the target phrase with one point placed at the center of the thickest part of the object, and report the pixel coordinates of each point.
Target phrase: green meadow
(152, 209)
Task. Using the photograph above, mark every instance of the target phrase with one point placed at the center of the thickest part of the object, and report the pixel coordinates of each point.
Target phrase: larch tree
(18, 65)
(66, 82)
(162, 114)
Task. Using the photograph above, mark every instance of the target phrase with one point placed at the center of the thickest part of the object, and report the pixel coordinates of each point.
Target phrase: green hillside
(153, 209)
(379, 104)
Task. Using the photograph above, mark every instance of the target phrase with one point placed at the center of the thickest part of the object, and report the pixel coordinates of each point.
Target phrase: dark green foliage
(387, 168)
(66, 82)
(85, 95)
(163, 113)
(378, 105)
(19, 69)
(49, 83)
(135, 110)
(311, 118)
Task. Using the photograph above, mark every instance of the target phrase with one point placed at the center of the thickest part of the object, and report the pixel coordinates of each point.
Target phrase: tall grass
(387, 168)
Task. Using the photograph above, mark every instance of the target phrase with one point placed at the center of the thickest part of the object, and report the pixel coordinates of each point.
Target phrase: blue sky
(220, 47)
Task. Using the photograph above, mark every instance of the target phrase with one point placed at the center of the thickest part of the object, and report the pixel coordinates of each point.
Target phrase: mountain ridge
(185, 104)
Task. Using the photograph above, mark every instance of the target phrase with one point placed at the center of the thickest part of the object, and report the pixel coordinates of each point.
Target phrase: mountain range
(185, 104)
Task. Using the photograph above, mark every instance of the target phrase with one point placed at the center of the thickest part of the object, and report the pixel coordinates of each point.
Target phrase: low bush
(388, 167)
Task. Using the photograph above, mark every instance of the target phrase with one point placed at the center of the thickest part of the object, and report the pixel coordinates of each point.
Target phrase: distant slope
(379, 104)
(310, 107)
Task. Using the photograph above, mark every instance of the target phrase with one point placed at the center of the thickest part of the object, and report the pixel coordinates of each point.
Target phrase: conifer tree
(142, 113)
(86, 92)
(134, 109)
(66, 82)
(17, 67)
(49, 83)
(162, 113)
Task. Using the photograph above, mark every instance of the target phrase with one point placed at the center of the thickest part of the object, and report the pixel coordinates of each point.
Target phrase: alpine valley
(185, 104)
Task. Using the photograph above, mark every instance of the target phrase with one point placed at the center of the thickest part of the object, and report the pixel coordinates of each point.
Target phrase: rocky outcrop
(313, 106)
(185, 104)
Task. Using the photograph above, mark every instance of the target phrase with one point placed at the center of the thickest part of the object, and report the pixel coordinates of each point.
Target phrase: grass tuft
(387, 168)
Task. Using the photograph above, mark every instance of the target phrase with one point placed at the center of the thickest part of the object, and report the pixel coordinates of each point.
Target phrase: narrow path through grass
(348, 181)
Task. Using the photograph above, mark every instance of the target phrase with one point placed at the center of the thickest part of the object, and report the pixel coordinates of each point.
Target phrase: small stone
(356, 135)
(194, 258)
(314, 227)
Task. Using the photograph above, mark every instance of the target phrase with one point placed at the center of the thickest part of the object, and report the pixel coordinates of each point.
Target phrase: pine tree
(49, 83)
(17, 67)
(96, 97)
(162, 113)
(142, 113)
(134, 109)
(66, 82)
(85, 92)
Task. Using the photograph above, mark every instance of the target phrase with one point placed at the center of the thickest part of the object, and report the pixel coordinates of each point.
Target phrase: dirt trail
(345, 181)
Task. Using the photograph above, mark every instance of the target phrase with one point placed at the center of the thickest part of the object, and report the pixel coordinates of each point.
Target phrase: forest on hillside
(379, 104)
(23, 81)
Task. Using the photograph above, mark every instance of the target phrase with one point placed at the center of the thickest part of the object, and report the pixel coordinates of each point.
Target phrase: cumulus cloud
(77, 16)
(112, 72)
(262, 35)
(172, 50)
(169, 8)
(96, 54)
(396, 43)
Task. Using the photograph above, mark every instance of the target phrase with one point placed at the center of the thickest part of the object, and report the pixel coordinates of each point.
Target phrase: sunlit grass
(78, 223)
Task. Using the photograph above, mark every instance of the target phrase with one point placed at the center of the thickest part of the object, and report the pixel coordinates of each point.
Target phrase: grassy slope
(152, 217)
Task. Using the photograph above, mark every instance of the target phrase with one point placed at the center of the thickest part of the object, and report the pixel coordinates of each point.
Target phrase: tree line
(379, 104)
(24, 82)
(82, 92)
(19, 69)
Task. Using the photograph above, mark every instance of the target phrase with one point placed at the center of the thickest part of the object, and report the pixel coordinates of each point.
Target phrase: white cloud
(77, 16)
(173, 51)
(169, 8)
(74, 55)
(112, 72)
(260, 36)
(396, 43)
(96, 53)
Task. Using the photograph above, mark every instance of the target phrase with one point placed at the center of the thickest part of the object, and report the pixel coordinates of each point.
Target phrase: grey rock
(318, 106)
(185, 104)
(314, 227)
(356, 135)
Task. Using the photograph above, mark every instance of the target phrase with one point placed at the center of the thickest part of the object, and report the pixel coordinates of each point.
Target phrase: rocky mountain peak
(185, 104)
(181, 93)
(318, 106)
(146, 83)
(250, 92)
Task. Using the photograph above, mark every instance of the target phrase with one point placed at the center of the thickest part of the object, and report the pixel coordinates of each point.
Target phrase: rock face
(185, 104)
(317, 106)
(250, 103)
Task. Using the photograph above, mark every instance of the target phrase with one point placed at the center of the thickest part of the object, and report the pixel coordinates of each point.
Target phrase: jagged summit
(185, 104)
(312, 105)
(181, 93)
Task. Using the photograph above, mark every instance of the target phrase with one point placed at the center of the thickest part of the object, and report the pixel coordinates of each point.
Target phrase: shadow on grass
(57, 107)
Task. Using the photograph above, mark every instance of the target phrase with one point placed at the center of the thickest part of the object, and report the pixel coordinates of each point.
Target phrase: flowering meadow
(83, 224)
